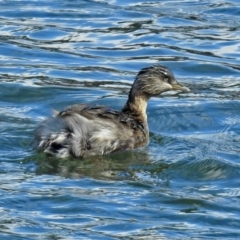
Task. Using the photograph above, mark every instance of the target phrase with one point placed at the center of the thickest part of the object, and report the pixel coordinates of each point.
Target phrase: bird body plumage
(82, 130)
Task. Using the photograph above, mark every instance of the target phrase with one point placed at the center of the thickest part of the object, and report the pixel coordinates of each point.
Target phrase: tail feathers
(56, 144)
(63, 137)
(52, 137)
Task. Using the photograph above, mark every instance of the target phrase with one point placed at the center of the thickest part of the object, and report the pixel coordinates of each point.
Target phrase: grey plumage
(83, 130)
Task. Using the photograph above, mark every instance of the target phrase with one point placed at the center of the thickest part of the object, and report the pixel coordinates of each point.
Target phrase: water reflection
(129, 165)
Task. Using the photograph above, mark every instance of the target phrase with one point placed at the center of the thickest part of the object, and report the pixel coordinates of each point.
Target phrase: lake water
(186, 183)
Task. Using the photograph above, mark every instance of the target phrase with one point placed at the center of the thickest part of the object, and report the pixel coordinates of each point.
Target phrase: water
(185, 183)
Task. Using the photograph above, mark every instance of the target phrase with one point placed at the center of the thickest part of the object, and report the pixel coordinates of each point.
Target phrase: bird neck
(137, 105)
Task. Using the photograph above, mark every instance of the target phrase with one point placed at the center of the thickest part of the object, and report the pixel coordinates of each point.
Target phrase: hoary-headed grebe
(83, 130)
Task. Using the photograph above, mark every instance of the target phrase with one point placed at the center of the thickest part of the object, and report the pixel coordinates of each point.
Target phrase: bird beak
(180, 88)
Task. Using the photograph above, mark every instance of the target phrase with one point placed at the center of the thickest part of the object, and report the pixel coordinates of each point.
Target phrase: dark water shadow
(120, 166)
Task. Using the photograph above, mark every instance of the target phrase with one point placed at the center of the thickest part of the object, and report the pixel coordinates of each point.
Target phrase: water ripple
(184, 185)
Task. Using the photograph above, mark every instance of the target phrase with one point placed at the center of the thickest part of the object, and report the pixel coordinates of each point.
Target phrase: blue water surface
(185, 183)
